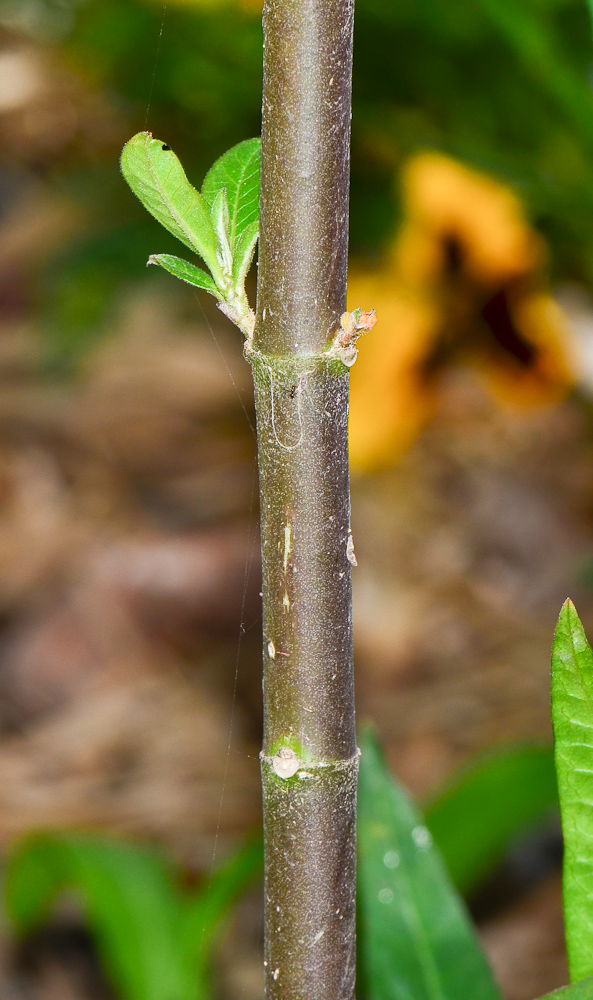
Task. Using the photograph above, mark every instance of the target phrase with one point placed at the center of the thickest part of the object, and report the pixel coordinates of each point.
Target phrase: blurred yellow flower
(463, 280)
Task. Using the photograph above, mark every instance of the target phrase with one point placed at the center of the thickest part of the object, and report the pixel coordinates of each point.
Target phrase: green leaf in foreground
(417, 941)
(238, 172)
(157, 178)
(578, 991)
(185, 271)
(572, 718)
(469, 825)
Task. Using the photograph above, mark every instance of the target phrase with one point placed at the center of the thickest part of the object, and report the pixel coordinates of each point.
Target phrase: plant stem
(309, 757)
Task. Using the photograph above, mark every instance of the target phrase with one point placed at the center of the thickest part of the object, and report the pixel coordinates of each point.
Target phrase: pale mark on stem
(295, 393)
(287, 544)
(350, 550)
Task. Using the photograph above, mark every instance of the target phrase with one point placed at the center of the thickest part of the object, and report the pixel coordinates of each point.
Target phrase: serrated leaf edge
(205, 282)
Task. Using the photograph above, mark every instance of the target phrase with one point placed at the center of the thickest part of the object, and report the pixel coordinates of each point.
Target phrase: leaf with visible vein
(185, 271)
(238, 172)
(417, 939)
(572, 718)
(157, 178)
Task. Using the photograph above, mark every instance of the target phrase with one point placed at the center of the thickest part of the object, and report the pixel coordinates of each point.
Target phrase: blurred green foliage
(156, 940)
(501, 84)
(477, 815)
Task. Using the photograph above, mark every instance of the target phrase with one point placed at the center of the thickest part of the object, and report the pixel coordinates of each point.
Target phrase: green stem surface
(309, 756)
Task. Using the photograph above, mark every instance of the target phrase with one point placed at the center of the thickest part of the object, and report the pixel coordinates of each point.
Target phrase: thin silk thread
(299, 390)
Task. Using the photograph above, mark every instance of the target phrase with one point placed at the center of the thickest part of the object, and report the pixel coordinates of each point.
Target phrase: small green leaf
(185, 271)
(466, 820)
(578, 991)
(572, 718)
(238, 173)
(157, 178)
(417, 941)
(243, 256)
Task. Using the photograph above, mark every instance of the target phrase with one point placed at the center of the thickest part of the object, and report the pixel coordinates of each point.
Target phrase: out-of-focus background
(130, 697)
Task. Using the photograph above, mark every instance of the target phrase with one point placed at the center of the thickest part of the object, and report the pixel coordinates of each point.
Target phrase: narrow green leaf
(417, 942)
(185, 271)
(578, 991)
(238, 172)
(243, 256)
(468, 824)
(131, 903)
(572, 718)
(157, 178)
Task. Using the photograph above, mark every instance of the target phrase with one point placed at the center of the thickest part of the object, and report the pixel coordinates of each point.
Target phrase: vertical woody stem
(309, 756)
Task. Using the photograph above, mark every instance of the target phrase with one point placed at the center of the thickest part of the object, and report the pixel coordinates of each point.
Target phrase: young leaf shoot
(220, 225)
